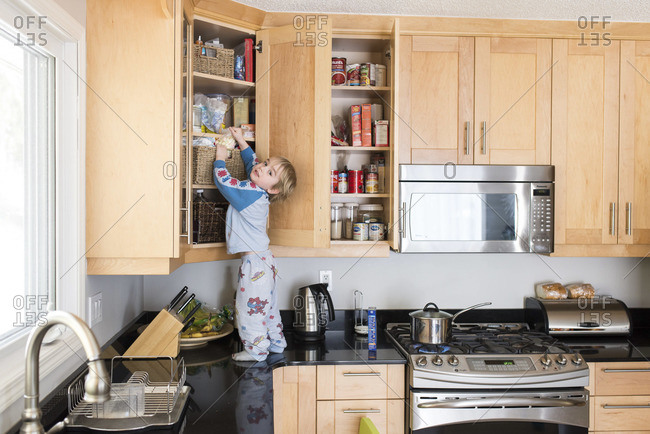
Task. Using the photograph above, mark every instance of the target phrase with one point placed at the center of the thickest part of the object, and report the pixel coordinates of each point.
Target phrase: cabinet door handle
(402, 221)
(483, 137)
(626, 406)
(612, 218)
(628, 218)
(187, 219)
(467, 141)
(371, 410)
(607, 370)
(362, 374)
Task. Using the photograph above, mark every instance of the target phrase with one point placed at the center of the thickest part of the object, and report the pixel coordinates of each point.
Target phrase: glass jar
(337, 221)
(350, 216)
(371, 213)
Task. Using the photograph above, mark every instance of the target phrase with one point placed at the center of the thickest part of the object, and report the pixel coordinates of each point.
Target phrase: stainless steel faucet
(97, 384)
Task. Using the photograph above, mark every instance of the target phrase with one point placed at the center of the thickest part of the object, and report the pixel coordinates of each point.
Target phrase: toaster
(581, 316)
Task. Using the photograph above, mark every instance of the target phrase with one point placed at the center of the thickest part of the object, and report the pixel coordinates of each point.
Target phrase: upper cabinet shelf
(206, 83)
(364, 91)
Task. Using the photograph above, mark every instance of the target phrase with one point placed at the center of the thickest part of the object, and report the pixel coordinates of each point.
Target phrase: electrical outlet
(95, 310)
(326, 277)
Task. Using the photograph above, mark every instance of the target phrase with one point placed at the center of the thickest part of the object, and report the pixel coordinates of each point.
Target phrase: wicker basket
(222, 65)
(203, 164)
(209, 222)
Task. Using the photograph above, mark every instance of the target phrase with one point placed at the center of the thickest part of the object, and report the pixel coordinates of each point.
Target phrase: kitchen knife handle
(192, 312)
(468, 125)
(188, 325)
(612, 218)
(628, 218)
(189, 299)
(176, 299)
(483, 138)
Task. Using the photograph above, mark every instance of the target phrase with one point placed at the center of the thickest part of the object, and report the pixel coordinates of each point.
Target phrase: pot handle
(427, 308)
(453, 318)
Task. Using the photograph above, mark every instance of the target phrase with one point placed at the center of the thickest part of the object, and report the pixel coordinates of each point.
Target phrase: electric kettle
(310, 320)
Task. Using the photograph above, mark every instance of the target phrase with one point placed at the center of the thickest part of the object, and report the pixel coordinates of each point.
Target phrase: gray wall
(409, 281)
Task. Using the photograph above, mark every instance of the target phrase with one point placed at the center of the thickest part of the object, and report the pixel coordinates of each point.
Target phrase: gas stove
(491, 355)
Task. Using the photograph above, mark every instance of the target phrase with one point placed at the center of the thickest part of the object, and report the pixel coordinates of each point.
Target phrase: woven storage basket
(222, 65)
(209, 222)
(203, 164)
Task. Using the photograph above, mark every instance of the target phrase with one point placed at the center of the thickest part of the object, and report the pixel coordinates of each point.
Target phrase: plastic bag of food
(581, 290)
(227, 140)
(213, 113)
(551, 291)
(339, 131)
(208, 320)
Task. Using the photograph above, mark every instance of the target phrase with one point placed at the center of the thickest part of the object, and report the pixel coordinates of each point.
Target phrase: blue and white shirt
(248, 210)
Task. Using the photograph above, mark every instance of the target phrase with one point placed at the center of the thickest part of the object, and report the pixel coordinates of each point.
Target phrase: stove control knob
(453, 361)
(561, 360)
(545, 360)
(577, 360)
(421, 362)
(437, 360)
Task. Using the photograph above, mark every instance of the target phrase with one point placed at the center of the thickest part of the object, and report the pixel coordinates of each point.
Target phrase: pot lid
(430, 311)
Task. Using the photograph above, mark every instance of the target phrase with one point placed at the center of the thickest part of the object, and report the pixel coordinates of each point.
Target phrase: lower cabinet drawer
(360, 382)
(621, 378)
(621, 413)
(343, 417)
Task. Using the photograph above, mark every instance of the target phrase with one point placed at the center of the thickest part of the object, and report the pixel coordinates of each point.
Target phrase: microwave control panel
(541, 225)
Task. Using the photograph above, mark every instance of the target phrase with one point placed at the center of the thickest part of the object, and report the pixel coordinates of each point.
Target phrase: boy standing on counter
(258, 317)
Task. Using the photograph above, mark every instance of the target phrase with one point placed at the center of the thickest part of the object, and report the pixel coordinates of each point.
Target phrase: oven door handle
(504, 402)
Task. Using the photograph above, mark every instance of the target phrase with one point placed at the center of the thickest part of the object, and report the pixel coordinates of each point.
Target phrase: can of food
(360, 231)
(375, 231)
(355, 181)
(334, 181)
(352, 71)
(372, 182)
(343, 182)
(380, 72)
(338, 70)
(364, 74)
(372, 74)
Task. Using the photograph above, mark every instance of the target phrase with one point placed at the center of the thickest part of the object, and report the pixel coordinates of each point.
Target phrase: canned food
(364, 74)
(375, 231)
(355, 181)
(353, 74)
(372, 182)
(380, 78)
(372, 74)
(343, 182)
(338, 70)
(334, 181)
(360, 231)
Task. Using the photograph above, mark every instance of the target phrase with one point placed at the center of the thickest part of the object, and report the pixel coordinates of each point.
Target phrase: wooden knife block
(160, 338)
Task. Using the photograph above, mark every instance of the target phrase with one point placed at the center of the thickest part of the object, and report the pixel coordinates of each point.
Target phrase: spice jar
(337, 221)
(350, 216)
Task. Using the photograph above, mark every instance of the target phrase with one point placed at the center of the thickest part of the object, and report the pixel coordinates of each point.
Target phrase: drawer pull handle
(362, 374)
(372, 410)
(625, 370)
(626, 406)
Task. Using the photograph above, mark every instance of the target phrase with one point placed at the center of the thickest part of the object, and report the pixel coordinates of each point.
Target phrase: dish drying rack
(163, 405)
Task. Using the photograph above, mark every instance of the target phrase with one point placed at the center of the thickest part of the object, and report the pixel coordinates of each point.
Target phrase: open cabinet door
(293, 76)
(394, 223)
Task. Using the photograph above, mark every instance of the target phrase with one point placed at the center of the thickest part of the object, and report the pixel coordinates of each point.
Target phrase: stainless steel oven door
(549, 411)
(465, 217)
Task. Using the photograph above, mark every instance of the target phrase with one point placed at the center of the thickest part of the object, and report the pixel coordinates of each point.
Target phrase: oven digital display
(541, 192)
(500, 362)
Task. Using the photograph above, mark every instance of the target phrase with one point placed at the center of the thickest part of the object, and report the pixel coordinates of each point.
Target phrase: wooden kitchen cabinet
(294, 400)
(133, 136)
(619, 395)
(346, 393)
(471, 100)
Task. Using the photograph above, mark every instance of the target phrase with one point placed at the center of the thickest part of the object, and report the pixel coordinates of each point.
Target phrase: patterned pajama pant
(258, 317)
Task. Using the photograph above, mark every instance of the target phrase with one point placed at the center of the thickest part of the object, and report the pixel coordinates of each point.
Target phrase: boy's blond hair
(287, 181)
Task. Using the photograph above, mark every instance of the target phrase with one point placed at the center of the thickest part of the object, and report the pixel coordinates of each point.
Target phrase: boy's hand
(222, 153)
(236, 133)
(239, 137)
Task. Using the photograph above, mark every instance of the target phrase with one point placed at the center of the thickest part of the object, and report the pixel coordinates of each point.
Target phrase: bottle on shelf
(337, 222)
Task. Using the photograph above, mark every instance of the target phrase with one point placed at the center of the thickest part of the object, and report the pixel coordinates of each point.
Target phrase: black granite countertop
(234, 396)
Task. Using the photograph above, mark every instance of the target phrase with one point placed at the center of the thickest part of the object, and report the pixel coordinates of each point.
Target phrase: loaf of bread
(551, 291)
(582, 290)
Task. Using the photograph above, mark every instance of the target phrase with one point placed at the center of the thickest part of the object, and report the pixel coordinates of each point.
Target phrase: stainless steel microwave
(474, 208)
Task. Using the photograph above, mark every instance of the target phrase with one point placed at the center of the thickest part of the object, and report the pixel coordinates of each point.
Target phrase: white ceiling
(618, 10)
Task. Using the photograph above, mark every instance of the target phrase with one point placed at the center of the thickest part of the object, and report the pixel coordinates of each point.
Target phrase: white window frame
(57, 358)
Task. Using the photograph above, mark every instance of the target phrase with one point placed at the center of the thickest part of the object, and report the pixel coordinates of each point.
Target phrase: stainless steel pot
(432, 325)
